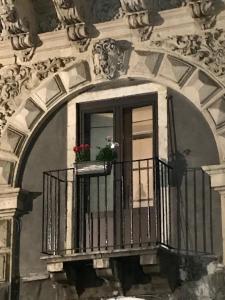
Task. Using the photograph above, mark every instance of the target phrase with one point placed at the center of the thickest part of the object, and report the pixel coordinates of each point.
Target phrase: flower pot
(93, 168)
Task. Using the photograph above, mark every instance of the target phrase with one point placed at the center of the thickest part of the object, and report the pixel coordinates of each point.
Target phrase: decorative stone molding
(138, 16)
(202, 11)
(108, 58)
(207, 49)
(70, 18)
(17, 78)
(22, 34)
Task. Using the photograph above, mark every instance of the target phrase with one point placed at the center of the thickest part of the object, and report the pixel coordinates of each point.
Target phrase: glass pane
(142, 149)
(101, 192)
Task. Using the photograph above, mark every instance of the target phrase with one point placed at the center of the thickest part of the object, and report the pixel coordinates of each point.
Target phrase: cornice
(177, 20)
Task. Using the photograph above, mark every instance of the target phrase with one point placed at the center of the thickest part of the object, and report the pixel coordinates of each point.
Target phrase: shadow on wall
(179, 165)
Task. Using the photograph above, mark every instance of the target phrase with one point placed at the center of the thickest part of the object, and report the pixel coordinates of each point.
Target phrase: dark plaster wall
(48, 152)
(196, 147)
(195, 140)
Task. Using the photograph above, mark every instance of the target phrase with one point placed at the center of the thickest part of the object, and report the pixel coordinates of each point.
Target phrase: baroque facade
(63, 62)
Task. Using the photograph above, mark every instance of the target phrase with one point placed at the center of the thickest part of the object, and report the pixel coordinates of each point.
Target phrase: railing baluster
(149, 212)
(44, 250)
(106, 214)
(131, 203)
(59, 213)
(98, 212)
(186, 214)
(211, 216)
(170, 206)
(55, 215)
(195, 213)
(203, 212)
(139, 209)
(166, 204)
(162, 203)
(51, 218)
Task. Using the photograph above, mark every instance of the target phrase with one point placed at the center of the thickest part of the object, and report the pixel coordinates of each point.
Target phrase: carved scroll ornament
(69, 17)
(17, 29)
(138, 14)
(203, 10)
(108, 59)
(17, 78)
(207, 49)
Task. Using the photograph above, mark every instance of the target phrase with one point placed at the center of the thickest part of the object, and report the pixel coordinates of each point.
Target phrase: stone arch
(73, 77)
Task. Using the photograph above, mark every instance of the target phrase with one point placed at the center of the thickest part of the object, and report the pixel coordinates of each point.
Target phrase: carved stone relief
(19, 28)
(203, 11)
(138, 14)
(69, 16)
(108, 58)
(207, 49)
(17, 78)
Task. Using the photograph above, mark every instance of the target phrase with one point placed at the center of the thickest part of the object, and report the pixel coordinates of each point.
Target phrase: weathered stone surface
(209, 287)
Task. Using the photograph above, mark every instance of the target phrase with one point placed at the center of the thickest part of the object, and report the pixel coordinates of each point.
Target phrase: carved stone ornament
(18, 30)
(203, 10)
(207, 49)
(70, 18)
(138, 14)
(108, 59)
(18, 78)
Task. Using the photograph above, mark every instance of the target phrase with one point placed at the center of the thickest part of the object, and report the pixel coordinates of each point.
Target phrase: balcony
(140, 206)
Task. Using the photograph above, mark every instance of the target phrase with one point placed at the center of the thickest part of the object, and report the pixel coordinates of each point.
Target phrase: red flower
(86, 147)
(76, 149)
(82, 146)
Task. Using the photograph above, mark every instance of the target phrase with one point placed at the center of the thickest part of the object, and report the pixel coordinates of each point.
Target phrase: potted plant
(103, 164)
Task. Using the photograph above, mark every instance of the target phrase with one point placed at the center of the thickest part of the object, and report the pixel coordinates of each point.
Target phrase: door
(117, 210)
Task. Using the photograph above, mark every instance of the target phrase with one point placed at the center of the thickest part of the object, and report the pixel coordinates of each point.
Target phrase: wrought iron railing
(140, 204)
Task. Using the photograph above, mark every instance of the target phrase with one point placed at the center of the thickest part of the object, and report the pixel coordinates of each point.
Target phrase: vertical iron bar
(76, 214)
(98, 209)
(157, 187)
(51, 217)
(131, 203)
(203, 211)
(106, 214)
(59, 211)
(186, 213)
(65, 207)
(178, 219)
(56, 215)
(92, 232)
(148, 195)
(211, 216)
(43, 216)
(81, 199)
(139, 210)
(162, 202)
(166, 202)
(122, 205)
(47, 216)
(170, 207)
(195, 213)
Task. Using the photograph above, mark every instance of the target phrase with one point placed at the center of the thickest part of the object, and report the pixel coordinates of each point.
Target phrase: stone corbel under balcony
(18, 24)
(69, 16)
(217, 175)
(138, 14)
(203, 12)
